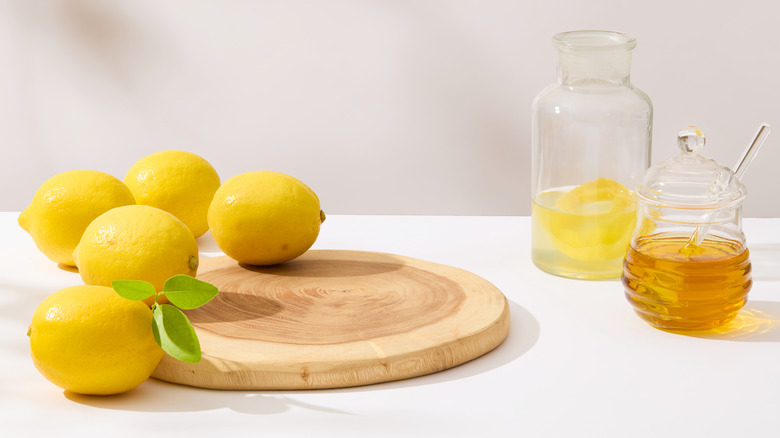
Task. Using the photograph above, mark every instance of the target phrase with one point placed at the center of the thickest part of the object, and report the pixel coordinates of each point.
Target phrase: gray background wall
(382, 107)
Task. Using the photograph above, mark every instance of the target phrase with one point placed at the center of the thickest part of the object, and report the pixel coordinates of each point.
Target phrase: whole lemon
(136, 242)
(90, 340)
(179, 182)
(65, 204)
(264, 217)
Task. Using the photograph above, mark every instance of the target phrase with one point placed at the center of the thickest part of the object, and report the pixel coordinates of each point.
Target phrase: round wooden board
(334, 318)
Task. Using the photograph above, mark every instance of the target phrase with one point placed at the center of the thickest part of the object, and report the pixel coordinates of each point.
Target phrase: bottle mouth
(593, 40)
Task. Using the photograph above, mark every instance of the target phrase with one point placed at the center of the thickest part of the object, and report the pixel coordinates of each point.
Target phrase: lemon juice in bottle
(584, 231)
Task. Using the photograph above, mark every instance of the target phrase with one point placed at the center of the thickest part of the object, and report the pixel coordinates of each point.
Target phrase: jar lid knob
(691, 140)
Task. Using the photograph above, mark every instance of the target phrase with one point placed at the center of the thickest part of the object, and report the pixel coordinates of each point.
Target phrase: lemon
(90, 340)
(136, 242)
(592, 222)
(179, 182)
(264, 217)
(65, 204)
(600, 196)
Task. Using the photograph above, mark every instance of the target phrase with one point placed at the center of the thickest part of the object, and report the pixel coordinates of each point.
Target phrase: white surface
(577, 361)
(382, 107)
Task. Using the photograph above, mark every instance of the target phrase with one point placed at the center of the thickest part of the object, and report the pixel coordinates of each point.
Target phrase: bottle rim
(593, 40)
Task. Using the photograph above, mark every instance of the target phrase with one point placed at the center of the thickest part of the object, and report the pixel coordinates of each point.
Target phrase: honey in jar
(674, 286)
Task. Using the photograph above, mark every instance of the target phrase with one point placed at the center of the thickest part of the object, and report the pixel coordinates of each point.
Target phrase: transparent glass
(688, 267)
(591, 137)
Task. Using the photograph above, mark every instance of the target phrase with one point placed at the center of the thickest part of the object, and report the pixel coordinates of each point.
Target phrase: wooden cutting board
(333, 318)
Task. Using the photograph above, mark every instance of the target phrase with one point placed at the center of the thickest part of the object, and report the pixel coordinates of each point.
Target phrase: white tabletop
(577, 360)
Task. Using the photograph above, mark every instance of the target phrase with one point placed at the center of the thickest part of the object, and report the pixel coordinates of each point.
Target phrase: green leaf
(136, 290)
(174, 333)
(187, 292)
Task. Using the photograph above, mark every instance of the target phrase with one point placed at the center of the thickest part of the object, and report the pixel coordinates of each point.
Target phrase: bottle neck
(593, 67)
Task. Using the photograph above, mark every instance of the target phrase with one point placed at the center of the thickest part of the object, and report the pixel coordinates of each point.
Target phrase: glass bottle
(688, 267)
(591, 136)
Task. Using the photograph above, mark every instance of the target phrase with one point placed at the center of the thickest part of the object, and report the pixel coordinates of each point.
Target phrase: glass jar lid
(690, 180)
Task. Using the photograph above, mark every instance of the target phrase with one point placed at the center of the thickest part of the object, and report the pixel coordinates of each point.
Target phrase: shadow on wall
(109, 40)
(461, 85)
(399, 108)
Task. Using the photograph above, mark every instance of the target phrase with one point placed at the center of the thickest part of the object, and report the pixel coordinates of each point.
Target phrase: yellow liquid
(686, 289)
(583, 232)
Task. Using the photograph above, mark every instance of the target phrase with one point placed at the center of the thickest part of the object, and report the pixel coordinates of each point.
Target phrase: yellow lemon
(600, 196)
(592, 222)
(179, 182)
(65, 204)
(136, 242)
(90, 340)
(264, 217)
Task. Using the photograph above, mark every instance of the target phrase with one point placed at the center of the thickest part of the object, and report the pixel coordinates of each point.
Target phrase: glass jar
(687, 267)
(591, 136)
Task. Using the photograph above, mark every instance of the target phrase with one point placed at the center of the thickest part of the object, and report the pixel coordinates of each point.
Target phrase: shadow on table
(765, 261)
(158, 396)
(523, 335)
(758, 321)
